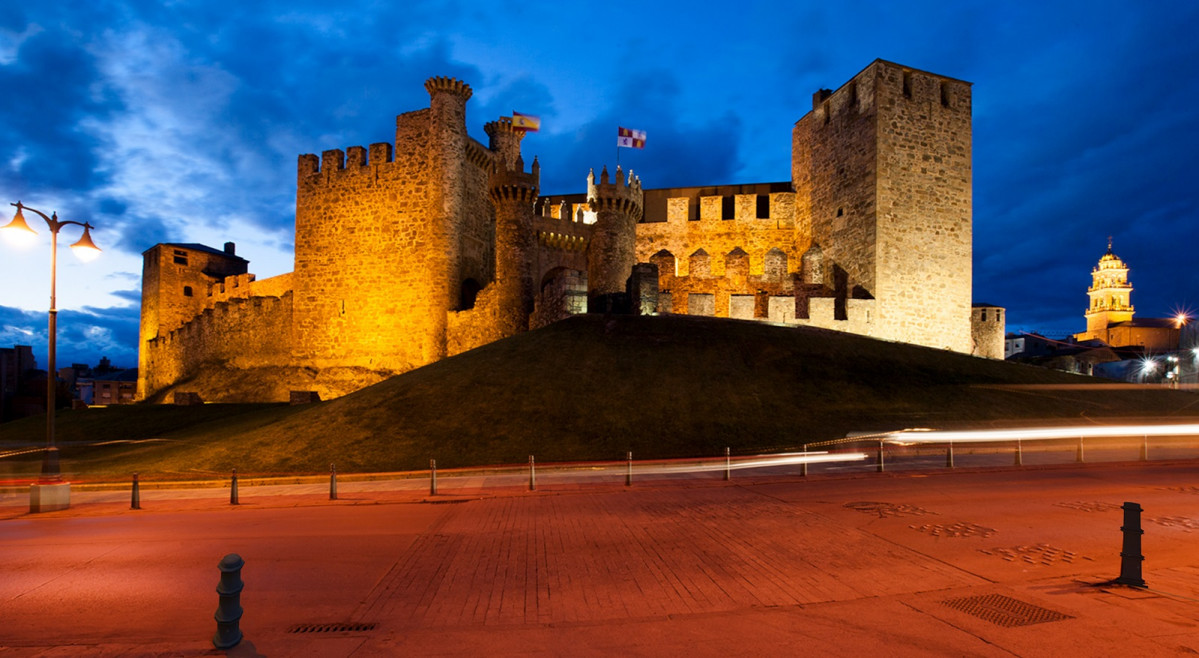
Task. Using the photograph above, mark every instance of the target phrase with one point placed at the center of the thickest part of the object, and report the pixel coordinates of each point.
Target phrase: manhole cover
(1004, 610)
(332, 628)
(887, 509)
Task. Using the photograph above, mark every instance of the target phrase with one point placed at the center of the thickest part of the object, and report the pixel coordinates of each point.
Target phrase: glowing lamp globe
(86, 250)
(17, 232)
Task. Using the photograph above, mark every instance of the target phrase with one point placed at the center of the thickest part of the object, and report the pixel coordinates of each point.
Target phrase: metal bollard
(1130, 556)
(881, 466)
(949, 455)
(803, 465)
(532, 475)
(332, 482)
(1019, 453)
(233, 489)
(1145, 448)
(628, 476)
(136, 500)
(1080, 454)
(228, 611)
(432, 477)
(728, 465)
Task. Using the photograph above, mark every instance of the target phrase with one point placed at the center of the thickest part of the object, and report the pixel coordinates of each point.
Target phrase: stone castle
(431, 245)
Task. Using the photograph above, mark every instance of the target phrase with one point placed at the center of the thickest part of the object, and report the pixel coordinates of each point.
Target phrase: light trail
(718, 464)
(1038, 433)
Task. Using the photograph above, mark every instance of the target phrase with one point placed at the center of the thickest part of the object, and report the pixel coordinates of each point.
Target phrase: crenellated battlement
(442, 84)
(623, 195)
(353, 160)
(515, 184)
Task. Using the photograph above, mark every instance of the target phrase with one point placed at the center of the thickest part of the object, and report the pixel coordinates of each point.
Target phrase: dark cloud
(676, 154)
(49, 89)
(82, 337)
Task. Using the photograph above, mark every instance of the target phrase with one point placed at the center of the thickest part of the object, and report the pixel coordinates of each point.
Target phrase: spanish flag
(629, 138)
(526, 122)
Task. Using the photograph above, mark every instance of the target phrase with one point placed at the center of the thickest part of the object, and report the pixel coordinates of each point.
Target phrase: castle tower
(378, 244)
(447, 141)
(513, 193)
(611, 253)
(1110, 295)
(505, 140)
(882, 166)
(175, 282)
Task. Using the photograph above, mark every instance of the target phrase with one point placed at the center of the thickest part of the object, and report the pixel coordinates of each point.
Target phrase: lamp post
(19, 231)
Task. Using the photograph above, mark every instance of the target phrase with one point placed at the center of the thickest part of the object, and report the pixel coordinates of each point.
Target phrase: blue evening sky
(181, 122)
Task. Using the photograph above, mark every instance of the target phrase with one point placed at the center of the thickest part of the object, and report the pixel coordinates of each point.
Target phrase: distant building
(16, 366)
(1110, 311)
(109, 387)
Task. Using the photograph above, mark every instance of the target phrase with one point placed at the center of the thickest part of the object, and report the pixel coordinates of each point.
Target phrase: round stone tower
(611, 253)
(513, 192)
(447, 150)
(505, 140)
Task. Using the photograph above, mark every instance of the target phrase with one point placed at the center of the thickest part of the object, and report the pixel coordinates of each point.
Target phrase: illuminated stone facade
(410, 251)
(1110, 311)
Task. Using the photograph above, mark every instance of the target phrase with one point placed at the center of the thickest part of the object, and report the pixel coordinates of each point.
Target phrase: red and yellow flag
(526, 122)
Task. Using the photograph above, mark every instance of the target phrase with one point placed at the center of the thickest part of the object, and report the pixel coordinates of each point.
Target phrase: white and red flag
(629, 138)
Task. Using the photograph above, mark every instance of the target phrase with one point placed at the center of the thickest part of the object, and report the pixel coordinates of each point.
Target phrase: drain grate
(332, 628)
(1004, 610)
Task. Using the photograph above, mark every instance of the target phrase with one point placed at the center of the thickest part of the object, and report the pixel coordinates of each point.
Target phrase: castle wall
(241, 333)
(716, 236)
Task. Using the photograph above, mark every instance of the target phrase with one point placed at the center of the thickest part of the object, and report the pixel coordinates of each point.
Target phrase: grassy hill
(591, 388)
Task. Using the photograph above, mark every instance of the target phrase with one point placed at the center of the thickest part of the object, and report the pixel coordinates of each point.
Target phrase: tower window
(187, 291)
(944, 94)
(907, 84)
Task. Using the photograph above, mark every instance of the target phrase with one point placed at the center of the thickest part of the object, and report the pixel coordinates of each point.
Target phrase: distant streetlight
(19, 232)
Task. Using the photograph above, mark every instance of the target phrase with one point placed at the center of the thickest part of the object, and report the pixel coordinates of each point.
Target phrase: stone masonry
(414, 250)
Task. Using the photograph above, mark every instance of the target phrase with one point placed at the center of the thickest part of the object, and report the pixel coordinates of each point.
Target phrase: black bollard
(803, 465)
(233, 489)
(228, 611)
(1130, 557)
(136, 501)
(332, 482)
(949, 455)
(628, 477)
(881, 466)
(532, 475)
(728, 466)
(1019, 453)
(432, 477)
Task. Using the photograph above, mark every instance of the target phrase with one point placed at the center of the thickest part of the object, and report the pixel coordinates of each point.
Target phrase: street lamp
(19, 232)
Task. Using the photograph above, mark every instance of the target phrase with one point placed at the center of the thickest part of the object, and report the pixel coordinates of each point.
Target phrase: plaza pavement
(969, 562)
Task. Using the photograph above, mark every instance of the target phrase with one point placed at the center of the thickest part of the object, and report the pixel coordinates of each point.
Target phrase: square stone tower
(882, 166)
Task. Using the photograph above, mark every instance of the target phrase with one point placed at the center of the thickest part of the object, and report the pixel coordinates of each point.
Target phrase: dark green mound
(593, 387)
